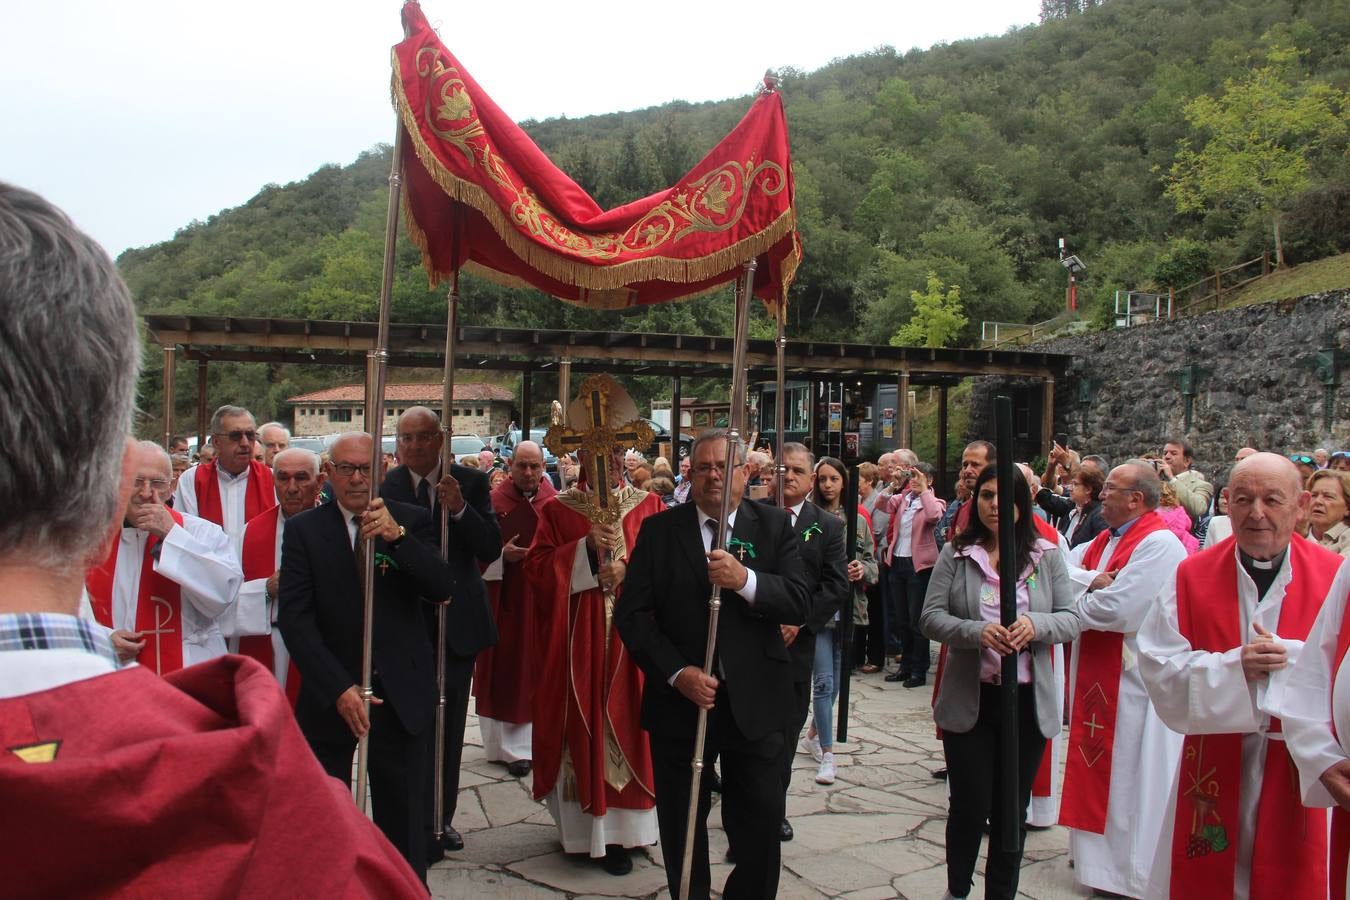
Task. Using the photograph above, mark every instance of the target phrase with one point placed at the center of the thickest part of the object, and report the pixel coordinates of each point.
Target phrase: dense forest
(1159, 138)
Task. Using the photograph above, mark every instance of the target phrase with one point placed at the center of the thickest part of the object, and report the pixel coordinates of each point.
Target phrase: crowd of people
(168, 623)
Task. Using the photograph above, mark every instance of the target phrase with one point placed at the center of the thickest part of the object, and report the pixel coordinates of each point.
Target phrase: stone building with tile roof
(482, 409)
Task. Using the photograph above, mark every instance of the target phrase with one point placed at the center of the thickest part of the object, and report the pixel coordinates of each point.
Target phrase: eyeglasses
(1302, 459)
(417, 437)
(158, 484)
(347, 470)
(1341, 454)
(709, 468)
(238, 435)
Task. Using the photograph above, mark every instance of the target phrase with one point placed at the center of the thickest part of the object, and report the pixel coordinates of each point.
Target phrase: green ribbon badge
(814, 529)
(383, 561)
(740, 548)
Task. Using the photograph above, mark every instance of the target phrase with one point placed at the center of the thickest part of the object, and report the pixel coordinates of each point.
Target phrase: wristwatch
(402, 533)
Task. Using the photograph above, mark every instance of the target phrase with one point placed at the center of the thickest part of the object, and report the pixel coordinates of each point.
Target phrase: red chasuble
(588, 699)
(198, 784)
(1289, 854)
(504, 675)
(1092, 728)
(159, 604)
(259, 495)
(260, 561)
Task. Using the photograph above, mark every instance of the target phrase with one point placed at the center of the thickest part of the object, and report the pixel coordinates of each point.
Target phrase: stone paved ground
(877, 832)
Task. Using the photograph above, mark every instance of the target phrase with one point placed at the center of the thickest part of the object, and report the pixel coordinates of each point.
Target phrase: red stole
(1289, 858)
(260, 561)
(159, 604)
(259, 496)
(1092, 728)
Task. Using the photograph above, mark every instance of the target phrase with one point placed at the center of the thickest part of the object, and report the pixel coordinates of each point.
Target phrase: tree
(937, 317)
(1259, 141)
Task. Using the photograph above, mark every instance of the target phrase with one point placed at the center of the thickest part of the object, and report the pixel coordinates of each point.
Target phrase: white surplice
(198, 557)
(252, 614)
(1146, 753)
(233, 489)
(1197, 692)
(1316, 699)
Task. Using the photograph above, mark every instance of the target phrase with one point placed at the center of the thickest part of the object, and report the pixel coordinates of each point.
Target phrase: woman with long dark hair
(831, 476)
(963, 610)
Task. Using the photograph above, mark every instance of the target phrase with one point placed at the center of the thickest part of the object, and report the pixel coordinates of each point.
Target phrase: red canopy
(478, 193)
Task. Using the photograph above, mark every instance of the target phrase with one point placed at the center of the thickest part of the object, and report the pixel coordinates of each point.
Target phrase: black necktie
(424, 493)
(711, 525)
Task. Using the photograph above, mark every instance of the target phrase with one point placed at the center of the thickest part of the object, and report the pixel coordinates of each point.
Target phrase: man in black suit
(662, 616)
(474, 538)
(822, 549)
(321, 617)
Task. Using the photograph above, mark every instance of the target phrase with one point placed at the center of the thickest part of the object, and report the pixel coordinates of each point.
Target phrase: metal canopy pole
(736, 419)
(780, 410)
(377, 361)
(201, 404)
(447, 432)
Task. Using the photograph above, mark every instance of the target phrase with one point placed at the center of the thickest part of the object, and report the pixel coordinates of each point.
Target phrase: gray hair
(68, 343)
(345, 437)
(796, 447)
(219, 416)
(309, 456)
(266, 425)
(907, 457)
(1102, 462)
(716, 434)
(1146, 481)
(148, 446)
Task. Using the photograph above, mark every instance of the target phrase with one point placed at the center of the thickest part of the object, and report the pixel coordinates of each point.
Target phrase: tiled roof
(408, 393)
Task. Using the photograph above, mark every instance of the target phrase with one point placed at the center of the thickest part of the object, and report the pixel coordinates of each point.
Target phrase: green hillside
(968, 160)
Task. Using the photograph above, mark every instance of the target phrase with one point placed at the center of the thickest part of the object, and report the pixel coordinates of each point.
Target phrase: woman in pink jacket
(911, 553)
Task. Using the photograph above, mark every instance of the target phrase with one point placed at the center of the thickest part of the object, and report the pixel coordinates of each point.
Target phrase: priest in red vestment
(298, 480)
(234, 487)
(504, 676)
(592, 760)
(1214, 652)
(119, 783)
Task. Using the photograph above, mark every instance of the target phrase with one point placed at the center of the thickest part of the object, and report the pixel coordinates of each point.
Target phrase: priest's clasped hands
(603, 539)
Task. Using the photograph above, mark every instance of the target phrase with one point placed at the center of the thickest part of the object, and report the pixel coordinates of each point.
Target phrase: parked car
(506, 445)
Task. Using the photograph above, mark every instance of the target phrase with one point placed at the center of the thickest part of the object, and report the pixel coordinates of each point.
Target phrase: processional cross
(600, 439)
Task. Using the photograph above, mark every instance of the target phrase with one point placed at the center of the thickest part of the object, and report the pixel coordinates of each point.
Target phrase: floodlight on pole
(1074, 265)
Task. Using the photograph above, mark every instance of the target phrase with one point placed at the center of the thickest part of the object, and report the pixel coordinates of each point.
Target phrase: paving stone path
(876, 833)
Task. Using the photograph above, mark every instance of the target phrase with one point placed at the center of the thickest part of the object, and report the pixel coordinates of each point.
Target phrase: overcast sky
(139, 117)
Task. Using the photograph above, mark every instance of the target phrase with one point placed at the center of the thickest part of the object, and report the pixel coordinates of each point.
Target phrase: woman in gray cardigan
(962, 611)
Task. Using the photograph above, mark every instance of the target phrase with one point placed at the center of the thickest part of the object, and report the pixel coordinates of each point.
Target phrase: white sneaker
(810, 746)
(825, 774)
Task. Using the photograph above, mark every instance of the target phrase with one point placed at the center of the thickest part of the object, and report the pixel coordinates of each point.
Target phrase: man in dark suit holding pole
(474, 538)
(321, 616)
(662, 616)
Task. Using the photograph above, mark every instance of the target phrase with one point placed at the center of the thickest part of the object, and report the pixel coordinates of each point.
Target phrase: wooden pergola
(206, 339)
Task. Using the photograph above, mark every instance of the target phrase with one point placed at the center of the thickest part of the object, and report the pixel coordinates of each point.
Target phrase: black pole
(846, 612)
(675, 401)
(1007, 579)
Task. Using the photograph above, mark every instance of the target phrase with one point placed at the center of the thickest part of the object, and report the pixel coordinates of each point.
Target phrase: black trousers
(395, 764)
(458, 677)
(792, 735)
(975, 781)
(873, 637)
(752, 805)
(907, 591)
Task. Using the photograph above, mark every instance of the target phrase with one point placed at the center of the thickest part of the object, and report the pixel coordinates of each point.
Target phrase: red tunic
(196, 784)
(589, 687)
(504, 675)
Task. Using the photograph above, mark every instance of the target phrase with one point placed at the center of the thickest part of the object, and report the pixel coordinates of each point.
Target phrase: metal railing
(1000, 334)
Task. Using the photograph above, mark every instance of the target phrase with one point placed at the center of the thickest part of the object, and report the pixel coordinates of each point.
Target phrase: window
(478, 411)
(798, 412)
(339, 415)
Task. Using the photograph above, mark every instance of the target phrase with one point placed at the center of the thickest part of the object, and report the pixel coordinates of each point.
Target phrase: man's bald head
(419, 439)
(527, 467)
(1243, 453)
(1265, 501)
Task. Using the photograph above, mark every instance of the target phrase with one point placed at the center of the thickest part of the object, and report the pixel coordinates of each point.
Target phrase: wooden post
(902, 426)
(1047, 415)
(170, 370)
(941, 438)
(525, 404)
(1265, 262)
(1218, 288)
(201, 403)
(675, 425)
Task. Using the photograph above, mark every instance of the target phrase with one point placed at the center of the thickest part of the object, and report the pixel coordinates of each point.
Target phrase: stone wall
(1258, 384)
